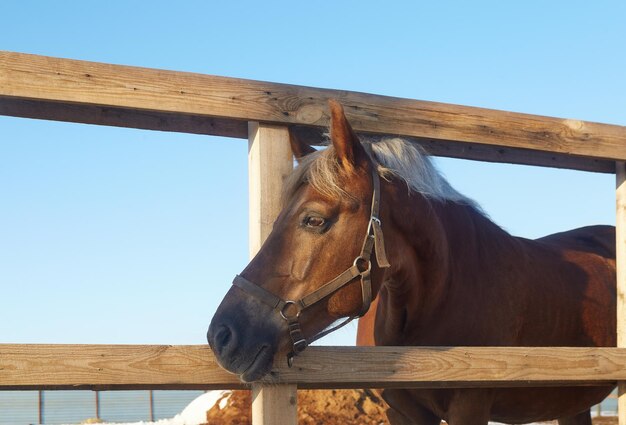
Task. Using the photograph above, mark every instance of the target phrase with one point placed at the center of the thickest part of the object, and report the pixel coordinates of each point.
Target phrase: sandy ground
(332, 407)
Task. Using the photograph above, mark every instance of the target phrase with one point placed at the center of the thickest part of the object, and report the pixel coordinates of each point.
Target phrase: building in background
(74, 407)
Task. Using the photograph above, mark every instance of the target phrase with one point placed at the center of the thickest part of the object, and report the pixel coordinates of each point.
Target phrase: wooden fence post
(274, 405)
(621, 276)
(269, 162)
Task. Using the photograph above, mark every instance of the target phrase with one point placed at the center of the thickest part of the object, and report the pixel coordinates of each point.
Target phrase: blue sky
(112, 235)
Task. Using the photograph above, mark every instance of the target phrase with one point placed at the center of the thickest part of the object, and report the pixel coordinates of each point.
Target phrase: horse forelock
(395, 157)
(321, 170)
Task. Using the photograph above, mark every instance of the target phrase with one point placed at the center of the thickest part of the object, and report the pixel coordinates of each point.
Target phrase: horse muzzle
(240, 344)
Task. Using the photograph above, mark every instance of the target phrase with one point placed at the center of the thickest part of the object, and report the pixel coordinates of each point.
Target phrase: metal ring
(356, 263)
(284, 308)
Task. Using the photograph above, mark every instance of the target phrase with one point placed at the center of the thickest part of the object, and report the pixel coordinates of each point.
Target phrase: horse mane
(395, 158)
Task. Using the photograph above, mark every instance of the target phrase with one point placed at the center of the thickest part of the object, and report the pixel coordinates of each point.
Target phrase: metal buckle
(373, 219)
(359, 259)
(284, 309)
(299, 346)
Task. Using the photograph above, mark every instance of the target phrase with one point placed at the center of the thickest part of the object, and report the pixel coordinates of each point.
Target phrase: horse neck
(433, 246)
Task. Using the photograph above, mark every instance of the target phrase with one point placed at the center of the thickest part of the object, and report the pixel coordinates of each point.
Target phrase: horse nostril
(223, 336)
(223, 339)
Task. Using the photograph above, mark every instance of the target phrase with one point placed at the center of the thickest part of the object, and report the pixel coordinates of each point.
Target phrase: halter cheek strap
(361, 267)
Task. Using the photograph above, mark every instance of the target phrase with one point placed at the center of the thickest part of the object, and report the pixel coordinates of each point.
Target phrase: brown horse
(443, 274)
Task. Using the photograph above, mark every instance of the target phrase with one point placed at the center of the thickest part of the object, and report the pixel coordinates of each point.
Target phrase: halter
(361, 267)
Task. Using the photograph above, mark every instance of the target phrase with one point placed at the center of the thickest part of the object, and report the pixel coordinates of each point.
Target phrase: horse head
(322, 261)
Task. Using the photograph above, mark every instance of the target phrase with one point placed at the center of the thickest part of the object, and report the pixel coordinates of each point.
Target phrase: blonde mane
(395, 157)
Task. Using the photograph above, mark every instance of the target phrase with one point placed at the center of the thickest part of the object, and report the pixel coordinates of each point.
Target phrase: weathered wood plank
(110, 367)
(501, 154)
(270, 160)
(274, 404)
(96, 87)
(620, 261)
(119, 117)
(487, 153)
(194, 367)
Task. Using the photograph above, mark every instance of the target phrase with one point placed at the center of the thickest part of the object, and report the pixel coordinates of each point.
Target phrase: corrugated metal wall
(168, 403)
(125, 406)
(18, 407)
(73, 407)
(67, 406)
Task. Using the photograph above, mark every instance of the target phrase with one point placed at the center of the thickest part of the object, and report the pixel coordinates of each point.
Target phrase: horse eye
(314, 221)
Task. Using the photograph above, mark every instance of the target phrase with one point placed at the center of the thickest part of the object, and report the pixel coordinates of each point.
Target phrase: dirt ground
(331, 407)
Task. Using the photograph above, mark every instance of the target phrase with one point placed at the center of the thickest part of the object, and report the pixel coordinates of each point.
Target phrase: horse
(442, 274)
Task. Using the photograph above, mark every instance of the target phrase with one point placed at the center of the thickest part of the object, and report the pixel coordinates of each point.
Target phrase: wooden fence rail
(96, 93)
(121, 367)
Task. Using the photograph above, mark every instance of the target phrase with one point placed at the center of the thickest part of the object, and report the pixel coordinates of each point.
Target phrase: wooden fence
(68, 90)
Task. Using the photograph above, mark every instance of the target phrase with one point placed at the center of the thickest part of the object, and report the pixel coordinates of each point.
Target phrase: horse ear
(350, 152)
(299, 147)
